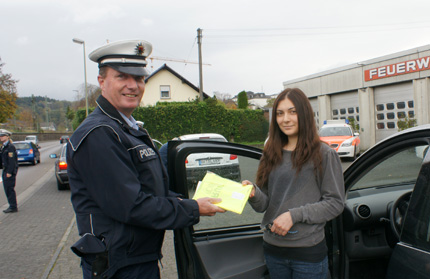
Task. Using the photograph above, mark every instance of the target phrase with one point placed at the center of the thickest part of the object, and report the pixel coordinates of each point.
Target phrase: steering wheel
(398, 212)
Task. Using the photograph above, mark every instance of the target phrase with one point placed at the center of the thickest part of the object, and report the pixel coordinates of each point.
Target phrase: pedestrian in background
(9, 163)
(300, 188)
(120, 190)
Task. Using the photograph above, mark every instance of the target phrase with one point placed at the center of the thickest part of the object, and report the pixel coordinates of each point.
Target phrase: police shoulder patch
(10, 154)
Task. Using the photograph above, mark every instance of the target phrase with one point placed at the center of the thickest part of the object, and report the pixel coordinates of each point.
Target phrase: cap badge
(140, 49)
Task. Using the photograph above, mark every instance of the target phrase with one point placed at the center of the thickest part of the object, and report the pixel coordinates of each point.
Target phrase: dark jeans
(9, 189)
(289, 269)
(147, 270)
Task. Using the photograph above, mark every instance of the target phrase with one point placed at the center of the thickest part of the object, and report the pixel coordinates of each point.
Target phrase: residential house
(166, 85)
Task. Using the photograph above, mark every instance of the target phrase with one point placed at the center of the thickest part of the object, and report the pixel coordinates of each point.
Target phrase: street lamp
(82, 42)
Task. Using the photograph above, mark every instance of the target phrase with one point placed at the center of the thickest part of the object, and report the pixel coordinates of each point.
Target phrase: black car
(384, 231)
(61, 169)
(64, 139)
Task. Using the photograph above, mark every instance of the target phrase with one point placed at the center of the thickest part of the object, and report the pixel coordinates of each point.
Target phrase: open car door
(227, 245)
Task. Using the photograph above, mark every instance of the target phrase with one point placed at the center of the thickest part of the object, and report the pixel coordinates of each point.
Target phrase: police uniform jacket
(120, 189)
(9, 159)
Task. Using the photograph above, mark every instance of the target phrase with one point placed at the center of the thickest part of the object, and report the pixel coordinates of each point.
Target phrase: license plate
(206, 162)
(20, 159)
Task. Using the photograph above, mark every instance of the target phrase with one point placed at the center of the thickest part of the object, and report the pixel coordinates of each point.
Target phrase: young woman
(300, 188)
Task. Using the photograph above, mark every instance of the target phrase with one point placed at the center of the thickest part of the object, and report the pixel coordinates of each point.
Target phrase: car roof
(202, 136)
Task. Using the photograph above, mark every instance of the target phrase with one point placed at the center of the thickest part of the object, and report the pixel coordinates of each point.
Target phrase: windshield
(21, 145)
(335, 131)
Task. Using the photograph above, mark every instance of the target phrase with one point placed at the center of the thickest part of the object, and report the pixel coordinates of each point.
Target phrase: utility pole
(199, 42)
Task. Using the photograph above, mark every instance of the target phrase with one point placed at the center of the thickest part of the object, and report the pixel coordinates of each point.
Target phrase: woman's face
(286, 117)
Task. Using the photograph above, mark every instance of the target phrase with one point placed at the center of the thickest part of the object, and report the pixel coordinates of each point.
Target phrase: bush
(166, 121)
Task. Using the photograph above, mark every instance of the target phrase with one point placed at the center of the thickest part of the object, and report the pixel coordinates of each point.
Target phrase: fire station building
(376, 93)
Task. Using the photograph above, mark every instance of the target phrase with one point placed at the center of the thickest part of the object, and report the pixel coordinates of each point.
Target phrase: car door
(379, 186)
(226, 245)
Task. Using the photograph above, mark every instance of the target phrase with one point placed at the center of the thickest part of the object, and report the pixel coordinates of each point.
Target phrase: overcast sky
(250, 45)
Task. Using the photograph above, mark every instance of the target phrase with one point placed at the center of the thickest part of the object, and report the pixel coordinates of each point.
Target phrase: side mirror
(356, 134)
(53, 156)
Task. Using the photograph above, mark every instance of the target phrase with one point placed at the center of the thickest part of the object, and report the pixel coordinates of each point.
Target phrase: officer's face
(3, 138)
(123, 91)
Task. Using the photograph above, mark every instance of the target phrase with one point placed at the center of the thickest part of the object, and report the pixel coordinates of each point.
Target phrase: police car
(341, 137)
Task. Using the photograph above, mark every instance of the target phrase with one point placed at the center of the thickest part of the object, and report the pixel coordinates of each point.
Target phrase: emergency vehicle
(339, 135)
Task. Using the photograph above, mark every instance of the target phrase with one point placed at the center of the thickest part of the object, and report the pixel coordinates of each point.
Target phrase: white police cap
(127, 56)
(4, 133)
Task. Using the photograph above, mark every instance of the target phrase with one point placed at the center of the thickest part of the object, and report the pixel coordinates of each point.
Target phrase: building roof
(184, 80)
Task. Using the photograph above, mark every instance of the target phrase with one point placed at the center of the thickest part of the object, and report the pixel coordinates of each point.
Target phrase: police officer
(119, 186)
(9, 163)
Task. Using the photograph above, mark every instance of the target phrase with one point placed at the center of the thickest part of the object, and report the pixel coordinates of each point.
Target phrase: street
(35, 242)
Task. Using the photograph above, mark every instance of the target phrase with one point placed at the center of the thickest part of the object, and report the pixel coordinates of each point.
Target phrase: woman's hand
(282, 224)
(247, 182)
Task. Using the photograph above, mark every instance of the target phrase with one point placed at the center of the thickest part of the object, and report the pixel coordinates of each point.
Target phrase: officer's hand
(8, 175)
(207, 206)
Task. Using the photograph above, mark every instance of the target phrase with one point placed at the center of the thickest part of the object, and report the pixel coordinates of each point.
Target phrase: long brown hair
(308, 143)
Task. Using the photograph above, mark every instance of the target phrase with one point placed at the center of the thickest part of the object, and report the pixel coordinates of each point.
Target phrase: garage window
(391, 125)
(165, 91)
(380, 107)
(357, 110)
(335, 112)
(401, 105)
(391, 115)
(401, 114)
(411, 104)
(380, 126)
(411, 113)
(350, 110)
(380, 116)
(343, 111)
(390, 106)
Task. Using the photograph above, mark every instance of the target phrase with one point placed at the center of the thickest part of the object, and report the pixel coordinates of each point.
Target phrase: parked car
(27, 152)
(198, 164)
(64, 139)
(33, 139)
(340, 136)
(61, 169)
(384, 231)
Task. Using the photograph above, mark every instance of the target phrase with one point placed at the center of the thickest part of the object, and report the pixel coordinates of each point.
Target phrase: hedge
(165, 122)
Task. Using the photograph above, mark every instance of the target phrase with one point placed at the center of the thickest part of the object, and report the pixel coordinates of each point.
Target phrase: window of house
(335, 112)
(342, 111)
(165, 91)
(410, 104)
(391, 115)
(391, 125)
(350, 110)
(401, 114)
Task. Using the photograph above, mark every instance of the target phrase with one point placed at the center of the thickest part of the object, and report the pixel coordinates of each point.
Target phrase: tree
(7, 95)
(242, 100)
(406, 123)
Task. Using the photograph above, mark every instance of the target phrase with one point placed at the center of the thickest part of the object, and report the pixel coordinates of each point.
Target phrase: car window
(335, 131)
(63, 151)
(21, 145)
(229, 166)
(416, 228)
(397, 169)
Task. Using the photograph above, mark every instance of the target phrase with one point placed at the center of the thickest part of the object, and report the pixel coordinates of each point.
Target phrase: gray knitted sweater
(311, 201)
